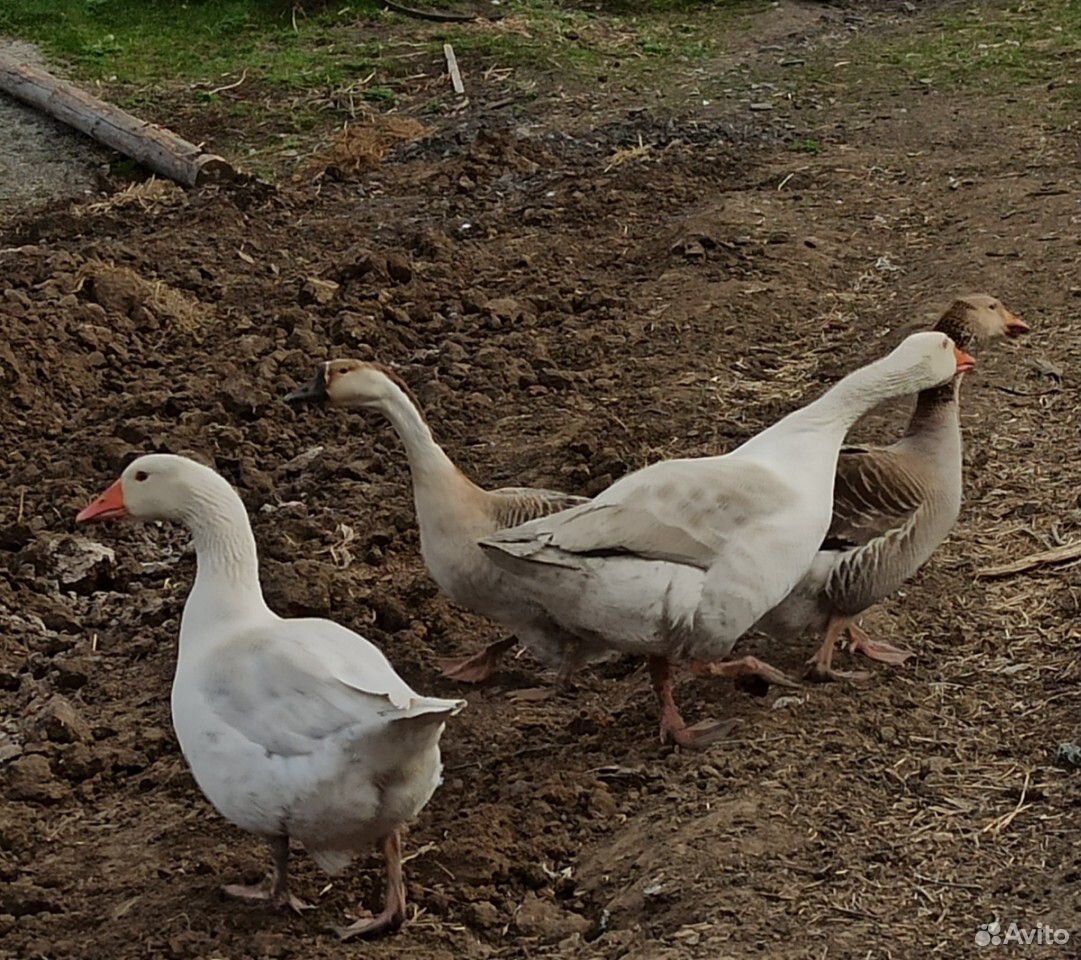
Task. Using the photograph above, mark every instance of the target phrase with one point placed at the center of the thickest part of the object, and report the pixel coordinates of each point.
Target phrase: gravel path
(40, 159)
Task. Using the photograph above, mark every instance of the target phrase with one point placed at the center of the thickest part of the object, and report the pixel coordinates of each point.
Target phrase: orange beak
(1015, 326)
(965, 362)
(109, 506)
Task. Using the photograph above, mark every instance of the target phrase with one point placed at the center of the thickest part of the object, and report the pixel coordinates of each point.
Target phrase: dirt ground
(563, 317)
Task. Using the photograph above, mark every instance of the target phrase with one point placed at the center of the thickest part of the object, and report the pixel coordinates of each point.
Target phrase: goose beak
(314, 391)
(109, 506)
(1015, 326)
(965, 362)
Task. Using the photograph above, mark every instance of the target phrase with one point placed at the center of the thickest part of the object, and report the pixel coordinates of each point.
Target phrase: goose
(892, 507)
(453, 514)
(293, 728)
(677, 560)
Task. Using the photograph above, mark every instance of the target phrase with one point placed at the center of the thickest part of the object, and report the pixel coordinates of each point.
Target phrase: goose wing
(875, 492)
(682, 511)
(291, 685)
(512, 506)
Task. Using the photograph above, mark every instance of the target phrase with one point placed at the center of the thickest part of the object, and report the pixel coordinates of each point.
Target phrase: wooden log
(155, 147)
(435, 16)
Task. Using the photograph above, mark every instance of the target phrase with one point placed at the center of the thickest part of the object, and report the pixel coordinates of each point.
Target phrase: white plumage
(293, 728)
(679, 559)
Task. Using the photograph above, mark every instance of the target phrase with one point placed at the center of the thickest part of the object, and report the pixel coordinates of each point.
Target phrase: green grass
(148, 41)
(153, 41)
(306, 69)
(989, 47)
(1001, 46)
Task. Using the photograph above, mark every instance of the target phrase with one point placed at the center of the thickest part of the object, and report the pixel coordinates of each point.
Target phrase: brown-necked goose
(892, 507)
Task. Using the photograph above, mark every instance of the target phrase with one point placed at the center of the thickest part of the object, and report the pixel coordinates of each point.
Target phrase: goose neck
(936, 406)
(851, 397)
(427, 461)
(227, 578)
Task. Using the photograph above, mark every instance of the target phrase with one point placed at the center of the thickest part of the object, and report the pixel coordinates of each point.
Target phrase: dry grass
(121, 289)
(149, 196)
(362, 145)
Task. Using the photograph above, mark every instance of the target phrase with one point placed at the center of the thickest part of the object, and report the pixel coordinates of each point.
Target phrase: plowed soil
(564, 316)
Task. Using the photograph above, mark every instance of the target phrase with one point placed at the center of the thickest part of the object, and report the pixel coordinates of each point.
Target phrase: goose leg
(859, 642)
(672, 726)
(743, 667)
(480, 666)
(275, 889)
(820, 666)
(393, 914)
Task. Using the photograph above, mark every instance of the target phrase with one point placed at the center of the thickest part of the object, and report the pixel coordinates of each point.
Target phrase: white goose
(292, 728)
(453, 513)
(679, 559)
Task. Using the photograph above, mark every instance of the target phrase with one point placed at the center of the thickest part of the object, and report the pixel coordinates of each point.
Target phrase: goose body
(300, 727)
(892, 507)
(679, 559)
(453, 514)
(293, 728)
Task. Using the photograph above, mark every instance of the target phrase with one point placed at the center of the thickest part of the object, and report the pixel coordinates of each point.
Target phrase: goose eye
(140, 476)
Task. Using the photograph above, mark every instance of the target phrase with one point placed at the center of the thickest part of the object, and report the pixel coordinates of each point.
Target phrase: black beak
(314, 391)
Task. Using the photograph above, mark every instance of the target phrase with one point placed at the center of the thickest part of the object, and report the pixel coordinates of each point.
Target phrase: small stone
(473, 301)
(693, 250)
(399, 268)
(302, 461)
(543, 918)
(604, 803)
(432, 243)
(937, 765)
(61, 723)
(505, 308)
(358, 263)
(9, 749)
(484, 915)
(30, 778)
(78, 563)
(1068, 755)
(78, 762)
(397, 315)
(72, 673)
(318, 291)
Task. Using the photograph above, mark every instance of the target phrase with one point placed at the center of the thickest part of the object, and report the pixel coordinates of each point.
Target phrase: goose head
(926, 360)
(352, 384)
(977, 318)
(158, 486)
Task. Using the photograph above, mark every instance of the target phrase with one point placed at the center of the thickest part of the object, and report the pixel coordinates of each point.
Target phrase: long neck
(227, 580)
(827, 419)
(850, 398)
(936, 408)
(427, 461)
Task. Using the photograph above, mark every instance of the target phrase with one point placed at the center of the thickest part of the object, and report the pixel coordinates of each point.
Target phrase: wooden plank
(452, 69)
(154, 147)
